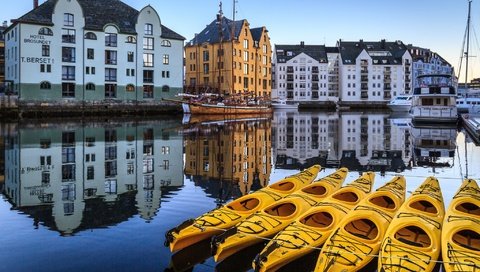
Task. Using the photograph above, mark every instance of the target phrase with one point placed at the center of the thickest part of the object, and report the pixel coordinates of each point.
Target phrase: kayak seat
(284, 209)
(319, 220)
(246, 205)
(468, 239)
(346, 197)
(414, 236)
(362, 228)
(424, 206)
(282, 186)
(315, 190)
(383, 201)
(469, 208)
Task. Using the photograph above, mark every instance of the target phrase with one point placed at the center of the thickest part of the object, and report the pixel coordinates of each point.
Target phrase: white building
(428, 62)
(304, 73)
(88, 50)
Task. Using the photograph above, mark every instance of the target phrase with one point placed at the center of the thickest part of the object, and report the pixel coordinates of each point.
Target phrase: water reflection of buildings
(359, 141)
(433, 146)
(228, 159)
(78, 176)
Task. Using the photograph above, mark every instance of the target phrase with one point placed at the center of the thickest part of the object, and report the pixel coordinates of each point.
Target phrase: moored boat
(216, 221)
(461, 230)
(434, 99)
(412, 240)
(401, 103)
(267, 222)
(357, 238)
(312, 228)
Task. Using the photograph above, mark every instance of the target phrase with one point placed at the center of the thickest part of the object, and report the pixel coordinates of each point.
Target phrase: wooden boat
(312, 228)
(461, 230)
(221, 108)
(356, 240)
(275, 217)
(412, 241)
(225, 217)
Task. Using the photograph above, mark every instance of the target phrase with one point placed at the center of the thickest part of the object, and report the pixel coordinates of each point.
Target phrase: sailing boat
(467, 103)
(236, 81)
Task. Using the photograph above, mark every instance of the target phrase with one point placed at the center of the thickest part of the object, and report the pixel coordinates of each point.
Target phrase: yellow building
(217, 63)
(236, 154)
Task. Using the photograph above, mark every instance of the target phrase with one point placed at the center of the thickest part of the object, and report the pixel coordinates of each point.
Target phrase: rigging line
(462, 52)
(459, 162)
(346, 252)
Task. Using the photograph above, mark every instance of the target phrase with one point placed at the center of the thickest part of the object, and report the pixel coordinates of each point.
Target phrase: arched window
(131, 39)
(45, 31)
(130, 88)
(165, 88)
(90, 87)
(90, 36)
(45, 85)
(166, 43)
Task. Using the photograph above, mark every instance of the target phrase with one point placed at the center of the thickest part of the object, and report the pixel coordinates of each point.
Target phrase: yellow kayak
(356, 239)
(313, 227)
(267, 222)
(412, 241)
(222, 218)
(461, 230)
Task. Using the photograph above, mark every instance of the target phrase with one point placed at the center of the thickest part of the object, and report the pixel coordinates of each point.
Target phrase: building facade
(229, 57)
(86, 50)
(427, 62)
(2, 57)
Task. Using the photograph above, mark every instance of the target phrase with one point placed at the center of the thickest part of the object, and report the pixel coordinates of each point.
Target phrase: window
(68, 90)
(206, 56)
(45, 31)
(45, 143)
(130, 56)
(148, 29)
(131, 39)
(45, 50)
(166, 43)
(90, 172)
(90, 53)
(68, 19)
(90, 87)
(90, 36)
(130, 72)
(110, 74)
(68, 72)
(148, 43)
(130, 88)
(110, 90)
(111, 39)
(166, 74)
(110, 57)
(45, 160)
(166, 59)
(165, 88)
(147, 76)
(68, 35)
(45, 85)
(148, 60)
(245, 44)
(147, 91)
(45, 177)
(206, 69)
(68, 54)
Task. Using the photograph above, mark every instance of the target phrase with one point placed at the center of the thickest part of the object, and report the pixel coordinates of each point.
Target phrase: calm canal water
(99, 196)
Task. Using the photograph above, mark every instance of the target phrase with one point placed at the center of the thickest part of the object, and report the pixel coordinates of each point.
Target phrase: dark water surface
(99, 196)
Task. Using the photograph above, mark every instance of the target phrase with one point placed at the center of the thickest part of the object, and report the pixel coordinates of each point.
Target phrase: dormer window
(166, 43)
(68, 19)
(90, 36)
(45, 31)
(131, 39)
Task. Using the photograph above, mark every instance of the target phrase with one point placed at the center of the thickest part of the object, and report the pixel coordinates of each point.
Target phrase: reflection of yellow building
(239, 152)
(214, 62)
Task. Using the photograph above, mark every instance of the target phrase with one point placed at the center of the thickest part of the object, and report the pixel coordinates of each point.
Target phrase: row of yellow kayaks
(350, 224)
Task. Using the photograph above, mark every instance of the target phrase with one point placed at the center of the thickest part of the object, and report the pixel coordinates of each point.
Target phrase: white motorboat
(282, 104)
(468, 105)
(401, 103)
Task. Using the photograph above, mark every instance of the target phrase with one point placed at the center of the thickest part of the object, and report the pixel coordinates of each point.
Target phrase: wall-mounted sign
(37, 39)
(37, 60)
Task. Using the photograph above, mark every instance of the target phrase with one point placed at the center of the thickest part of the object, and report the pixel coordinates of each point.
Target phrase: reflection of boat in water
(206, 119)
(434, 99)
(472, 125)
(401, 103)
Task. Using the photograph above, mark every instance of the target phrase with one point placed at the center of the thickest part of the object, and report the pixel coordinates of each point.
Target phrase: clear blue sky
(435, 24)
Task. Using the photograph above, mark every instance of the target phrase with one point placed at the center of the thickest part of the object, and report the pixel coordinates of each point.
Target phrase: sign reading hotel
(37, 39)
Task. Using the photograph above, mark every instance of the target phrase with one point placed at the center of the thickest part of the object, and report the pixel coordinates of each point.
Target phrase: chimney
(35, 4)
(302, 44)
(5, 24)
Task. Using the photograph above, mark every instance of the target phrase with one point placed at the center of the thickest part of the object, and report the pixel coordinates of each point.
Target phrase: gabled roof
(256, 33)
(381, 52)
(285, 53)
(211, 33)
(97, 15)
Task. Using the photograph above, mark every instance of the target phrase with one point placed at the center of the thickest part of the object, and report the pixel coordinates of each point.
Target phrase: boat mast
(232, 38)
(220, 46)
(468, 44)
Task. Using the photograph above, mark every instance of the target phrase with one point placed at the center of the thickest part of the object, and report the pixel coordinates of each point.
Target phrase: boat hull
(399, 108)
(194, 108)
(225, 217)
(412, 240)
(461, 230)
(312, 228)
(357, 238)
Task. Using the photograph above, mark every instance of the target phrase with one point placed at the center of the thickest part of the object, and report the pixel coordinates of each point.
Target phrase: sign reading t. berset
(37, 39)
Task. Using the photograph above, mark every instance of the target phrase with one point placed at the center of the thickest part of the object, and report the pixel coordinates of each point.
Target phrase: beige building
(218, 63)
